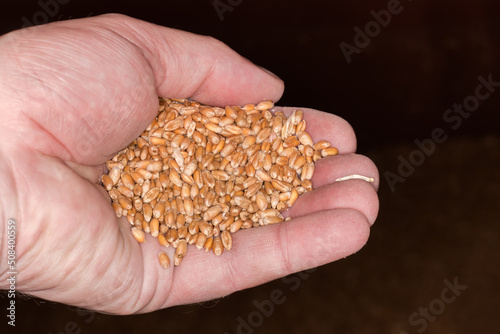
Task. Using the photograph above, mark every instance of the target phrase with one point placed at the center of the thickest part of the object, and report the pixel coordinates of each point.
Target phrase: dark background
(440, 224)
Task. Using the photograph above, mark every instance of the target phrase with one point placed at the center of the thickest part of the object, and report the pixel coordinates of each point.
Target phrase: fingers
(356, 194)
(262, 254)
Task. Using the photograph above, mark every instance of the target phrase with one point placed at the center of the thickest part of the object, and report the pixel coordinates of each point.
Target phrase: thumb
(98, 80)
(200, 67)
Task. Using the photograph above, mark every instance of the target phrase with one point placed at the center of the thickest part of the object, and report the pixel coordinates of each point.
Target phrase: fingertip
(237, 81)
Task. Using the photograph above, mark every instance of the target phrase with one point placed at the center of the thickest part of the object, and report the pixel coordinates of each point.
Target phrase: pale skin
(74, 93)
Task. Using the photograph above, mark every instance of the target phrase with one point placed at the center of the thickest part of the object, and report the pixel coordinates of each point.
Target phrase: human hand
(74, 93)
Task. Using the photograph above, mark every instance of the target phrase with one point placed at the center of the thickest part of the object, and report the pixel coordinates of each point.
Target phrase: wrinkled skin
(74, 93)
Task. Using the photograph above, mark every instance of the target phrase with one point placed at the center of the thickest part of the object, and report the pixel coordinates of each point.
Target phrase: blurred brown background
(438, 228)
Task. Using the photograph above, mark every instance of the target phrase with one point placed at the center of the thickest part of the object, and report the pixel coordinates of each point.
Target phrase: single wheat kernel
(107, 182)
(329, 151)
(164, 260)
(217, 246)
(162, 240)
(227, 240)
(180, 252)
(138, 234)
(208, 244)
(200, 240)
(154, 227)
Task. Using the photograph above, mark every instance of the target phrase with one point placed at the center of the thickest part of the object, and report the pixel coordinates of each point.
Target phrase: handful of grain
(197, 174)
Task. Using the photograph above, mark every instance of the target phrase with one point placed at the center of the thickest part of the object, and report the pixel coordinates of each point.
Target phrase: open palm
(74, 93)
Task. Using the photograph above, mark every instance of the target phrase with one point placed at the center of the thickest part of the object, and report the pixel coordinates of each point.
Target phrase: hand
(74, 93)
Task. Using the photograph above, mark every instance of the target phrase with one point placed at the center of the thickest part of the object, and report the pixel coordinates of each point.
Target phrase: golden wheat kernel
(191, 239)
(118, 209)
(282, 186)
(159, 209)
(272, 220)
(208, 244)
(329, 151)
(261, 201)
(114, 174)
(242, 201)
(150, 195)
(114, 194)
(147, 175)
(291, 142)
(170, 218)
(199, 240)
(225, 121)
(182, 232)
(231, 112)
(217, 246)
(137, 177)
(207, 112)
(281, 206)
(158, 141)
(144, 155)
(164, 260)
(138, 234)
(154, 227)
(107, 182)
(266, 146)
(180, 252)
(263, 134)
(162, 240)
(218, 148)
(187, 179)
(205, 228)
(264, 105)
(224, 225)
(299, 162)
(194, 226)
(270, 213)
(190, 168)
(113, 164)
(227, 240)
(252, 190)
(213, 127)
(293, 197)
(137, 204)
(228, 149)
(188, 207)
(185, 190)
(322, 144)
(180, 220)
(129, 217)
(235, 210)
(125, 203)
(235, 226)
(307, 171)
(217, 220)
(171, 235)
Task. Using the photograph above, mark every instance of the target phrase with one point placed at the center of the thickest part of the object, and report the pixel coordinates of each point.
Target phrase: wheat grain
(198, 174)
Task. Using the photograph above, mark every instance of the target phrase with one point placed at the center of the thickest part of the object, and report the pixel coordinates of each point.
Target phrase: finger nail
(269, 72)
